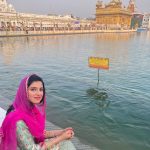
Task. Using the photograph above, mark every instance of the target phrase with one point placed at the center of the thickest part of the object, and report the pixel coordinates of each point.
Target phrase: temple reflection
(115, 46)
(115, 36)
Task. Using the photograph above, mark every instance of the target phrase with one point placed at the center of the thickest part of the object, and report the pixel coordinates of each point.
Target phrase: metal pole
(98, 78)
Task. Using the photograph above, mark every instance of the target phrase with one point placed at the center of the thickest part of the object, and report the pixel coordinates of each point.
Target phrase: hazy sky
(80, 8)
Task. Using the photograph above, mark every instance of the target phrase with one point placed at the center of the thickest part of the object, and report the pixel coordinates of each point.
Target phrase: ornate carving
(99, 4)
(132, 6)
(114, 4)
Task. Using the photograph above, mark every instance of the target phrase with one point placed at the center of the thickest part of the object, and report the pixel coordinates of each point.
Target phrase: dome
(115, 2)
(10, 6)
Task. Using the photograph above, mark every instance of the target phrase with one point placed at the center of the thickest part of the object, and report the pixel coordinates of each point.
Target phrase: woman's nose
(38, 92)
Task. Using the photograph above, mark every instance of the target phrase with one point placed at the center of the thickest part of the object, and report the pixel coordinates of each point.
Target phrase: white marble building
(10, 20)
(146, 21)
(5, 7)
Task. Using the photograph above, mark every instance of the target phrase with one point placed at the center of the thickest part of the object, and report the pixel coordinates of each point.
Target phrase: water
(116, 115)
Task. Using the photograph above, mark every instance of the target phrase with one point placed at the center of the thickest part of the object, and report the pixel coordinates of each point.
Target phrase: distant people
(24, 125)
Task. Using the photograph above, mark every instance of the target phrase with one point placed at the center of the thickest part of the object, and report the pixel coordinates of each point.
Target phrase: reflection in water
(43, 45)
(143, 34)
(99, 96)
(8, 54)
(108, 44)
(148, 34)
(11, 46)
(115, 36)
(114, 46)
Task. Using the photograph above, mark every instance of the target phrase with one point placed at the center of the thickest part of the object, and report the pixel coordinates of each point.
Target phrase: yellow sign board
(100, 63)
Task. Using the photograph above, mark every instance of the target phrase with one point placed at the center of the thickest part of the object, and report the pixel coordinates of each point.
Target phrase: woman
(24, 125)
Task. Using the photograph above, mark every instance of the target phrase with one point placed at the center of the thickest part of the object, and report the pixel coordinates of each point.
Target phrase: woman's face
(35, 92)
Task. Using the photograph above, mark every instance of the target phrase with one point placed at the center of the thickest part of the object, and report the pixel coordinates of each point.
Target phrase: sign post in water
(98, 63)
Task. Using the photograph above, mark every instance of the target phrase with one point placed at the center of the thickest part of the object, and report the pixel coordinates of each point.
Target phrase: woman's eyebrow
(35, 87)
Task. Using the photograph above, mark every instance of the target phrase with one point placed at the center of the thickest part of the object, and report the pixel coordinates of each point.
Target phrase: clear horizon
(84, 8)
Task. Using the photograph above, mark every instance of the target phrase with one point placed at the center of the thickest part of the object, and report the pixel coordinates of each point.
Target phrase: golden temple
(114, 15)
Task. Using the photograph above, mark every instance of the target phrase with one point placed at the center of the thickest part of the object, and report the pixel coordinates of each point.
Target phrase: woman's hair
(31, 79)
(11, 108)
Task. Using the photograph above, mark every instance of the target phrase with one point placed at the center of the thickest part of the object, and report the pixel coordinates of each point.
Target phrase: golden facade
(113, 14)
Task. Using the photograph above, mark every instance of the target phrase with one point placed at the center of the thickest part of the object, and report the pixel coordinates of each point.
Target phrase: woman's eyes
(34, 89)
(41, 89)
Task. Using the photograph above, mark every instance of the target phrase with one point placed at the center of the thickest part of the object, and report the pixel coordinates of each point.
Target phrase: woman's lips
(37, 98)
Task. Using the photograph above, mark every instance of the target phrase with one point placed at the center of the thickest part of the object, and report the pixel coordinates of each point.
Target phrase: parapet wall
(34, 33)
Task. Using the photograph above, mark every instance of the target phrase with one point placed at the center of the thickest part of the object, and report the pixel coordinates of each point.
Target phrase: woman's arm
(52, 133)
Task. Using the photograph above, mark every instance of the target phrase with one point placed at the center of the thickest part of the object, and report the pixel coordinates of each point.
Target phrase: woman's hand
(69, 128)
(67, 134)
